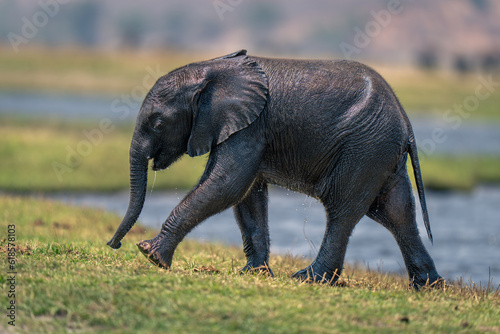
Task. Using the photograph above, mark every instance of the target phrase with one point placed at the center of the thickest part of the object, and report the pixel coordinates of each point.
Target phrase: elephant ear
(232, 95)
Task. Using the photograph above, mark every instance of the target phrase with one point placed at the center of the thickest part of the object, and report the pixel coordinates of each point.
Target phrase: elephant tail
(412, 150)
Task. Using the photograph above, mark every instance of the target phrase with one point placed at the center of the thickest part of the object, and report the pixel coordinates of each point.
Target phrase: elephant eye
(157, 125)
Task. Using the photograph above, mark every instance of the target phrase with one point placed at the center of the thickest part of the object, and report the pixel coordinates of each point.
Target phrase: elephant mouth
(157, 166)
(160, 164)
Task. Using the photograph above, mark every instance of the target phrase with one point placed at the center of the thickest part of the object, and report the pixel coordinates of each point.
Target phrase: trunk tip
(113, 244)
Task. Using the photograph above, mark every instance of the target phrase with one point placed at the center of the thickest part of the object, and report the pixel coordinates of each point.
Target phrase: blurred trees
(131, 28)
(428, 59)
(83, 22)
(452, 34)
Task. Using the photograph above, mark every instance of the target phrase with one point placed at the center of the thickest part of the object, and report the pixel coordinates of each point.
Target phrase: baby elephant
(333, 130)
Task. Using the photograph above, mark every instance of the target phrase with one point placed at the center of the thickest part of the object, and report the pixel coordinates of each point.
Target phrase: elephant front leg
(251, 215)
(227, 178)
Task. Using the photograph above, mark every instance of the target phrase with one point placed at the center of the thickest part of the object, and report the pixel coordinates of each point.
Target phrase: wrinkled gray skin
(333, 130)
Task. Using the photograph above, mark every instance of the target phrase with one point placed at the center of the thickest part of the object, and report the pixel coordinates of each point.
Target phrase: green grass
(68, 280)
(459, 172)
(82, 70)
(29, 150)
(432, 93)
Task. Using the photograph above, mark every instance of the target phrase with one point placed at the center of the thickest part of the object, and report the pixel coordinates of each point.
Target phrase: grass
(30, 148)
(63, 70)
(459, 172)
(68, 280)
(433, 93)
(79, 70)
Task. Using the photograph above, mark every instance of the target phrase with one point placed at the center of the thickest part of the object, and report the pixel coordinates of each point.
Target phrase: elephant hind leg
(329, 262)
(347, 197)
(342, 215)
(395, 210)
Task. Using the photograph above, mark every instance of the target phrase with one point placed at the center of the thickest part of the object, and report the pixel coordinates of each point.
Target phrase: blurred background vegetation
(101, 57)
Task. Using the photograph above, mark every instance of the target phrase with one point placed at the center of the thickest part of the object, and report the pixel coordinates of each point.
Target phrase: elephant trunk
(138, 187)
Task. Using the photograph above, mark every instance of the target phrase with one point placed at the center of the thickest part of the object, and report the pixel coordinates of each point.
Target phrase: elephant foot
(153, 254)
(312, 275)
(432, 280)
(263, 269)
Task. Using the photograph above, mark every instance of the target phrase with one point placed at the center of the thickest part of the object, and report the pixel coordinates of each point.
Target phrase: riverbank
(464, 225)
(68, 279)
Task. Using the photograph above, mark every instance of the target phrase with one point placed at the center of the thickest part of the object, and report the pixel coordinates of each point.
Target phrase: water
(466, 229)
(472, 137)
(61, 106)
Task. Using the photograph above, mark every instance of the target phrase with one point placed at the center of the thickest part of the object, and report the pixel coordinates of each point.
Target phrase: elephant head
(191, 109)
